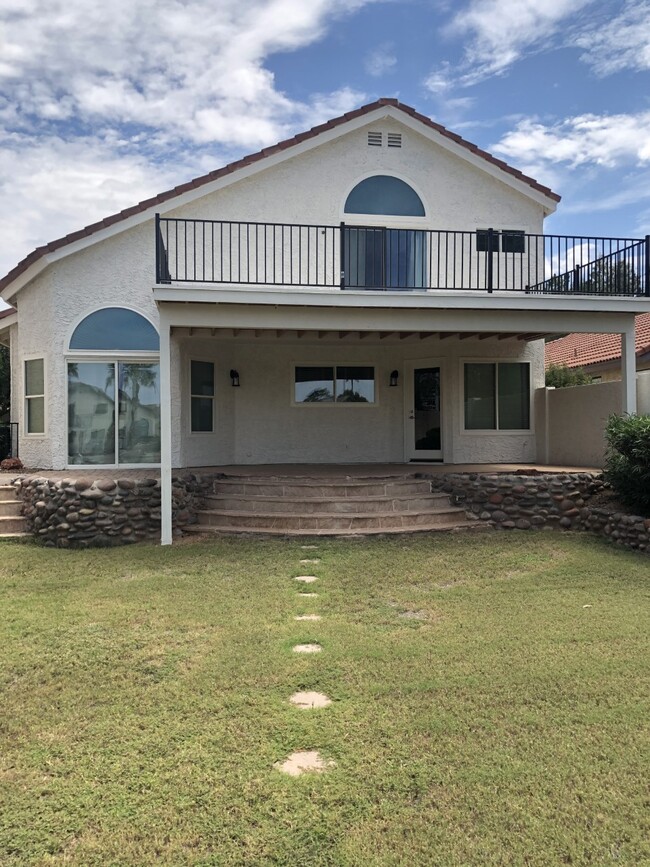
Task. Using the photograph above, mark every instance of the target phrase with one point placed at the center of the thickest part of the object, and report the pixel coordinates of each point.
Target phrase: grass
(482, 713)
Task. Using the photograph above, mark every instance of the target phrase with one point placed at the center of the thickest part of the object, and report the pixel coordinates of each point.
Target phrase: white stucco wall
(257, 423)
(577, 418)
(310, 188)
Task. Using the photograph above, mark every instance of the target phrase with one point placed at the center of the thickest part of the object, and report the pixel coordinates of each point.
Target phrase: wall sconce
(394, 376)
(234, 376)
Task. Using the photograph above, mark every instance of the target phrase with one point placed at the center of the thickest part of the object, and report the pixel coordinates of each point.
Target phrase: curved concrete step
(12, 525)
(357, 522)
(10, 507)
(322, 487)
(262, 530)
(324, 505)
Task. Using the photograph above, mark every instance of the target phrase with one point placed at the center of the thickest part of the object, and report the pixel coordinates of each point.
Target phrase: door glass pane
(514, 397)
(480, 404)
(355, 384)
(139, 413)
(405, 259)
(314, 385)
(91, 413)
(426, 396)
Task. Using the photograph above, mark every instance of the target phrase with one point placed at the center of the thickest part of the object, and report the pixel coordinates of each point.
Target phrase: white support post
(628, 359)
(165, 432)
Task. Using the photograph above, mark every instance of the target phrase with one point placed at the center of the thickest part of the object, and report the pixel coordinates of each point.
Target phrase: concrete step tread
(278, 498)
(234, 513)
(15, 535)
(203, 529)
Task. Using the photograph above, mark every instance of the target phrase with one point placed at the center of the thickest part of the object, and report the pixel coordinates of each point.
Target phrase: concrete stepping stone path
(307, 648)
(308, 617)
(307, 595)
(309, 562)
(310, 700)
(303, 761)
(309, 547)
(306, 579)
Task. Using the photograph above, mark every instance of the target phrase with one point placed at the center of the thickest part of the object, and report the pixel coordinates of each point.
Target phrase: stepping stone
(414, 615)
(307, 579)
(303, 761)
(307, 648)
(308, 547)
(309, 700)
(308, 595)
(309, 562)
(308, 617)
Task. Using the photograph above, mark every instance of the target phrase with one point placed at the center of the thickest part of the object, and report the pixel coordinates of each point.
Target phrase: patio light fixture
(234, 376)
(394, 376)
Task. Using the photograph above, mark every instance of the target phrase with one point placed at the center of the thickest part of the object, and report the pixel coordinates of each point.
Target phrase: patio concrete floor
(303, 470)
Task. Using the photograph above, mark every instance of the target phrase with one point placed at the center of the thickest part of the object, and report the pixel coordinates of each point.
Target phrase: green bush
(561, 376)
(627, 464)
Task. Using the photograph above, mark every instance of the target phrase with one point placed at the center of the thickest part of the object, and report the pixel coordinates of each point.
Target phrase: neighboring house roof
(147, 204)
(582, 350)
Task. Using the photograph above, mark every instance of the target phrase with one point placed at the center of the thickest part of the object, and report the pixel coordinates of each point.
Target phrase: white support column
(628, 359)
(165, 431)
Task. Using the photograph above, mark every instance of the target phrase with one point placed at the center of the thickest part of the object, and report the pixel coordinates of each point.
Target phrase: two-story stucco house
(374, 290)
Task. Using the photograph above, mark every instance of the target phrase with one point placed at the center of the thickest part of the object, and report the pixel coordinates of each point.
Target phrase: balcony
(398, 260)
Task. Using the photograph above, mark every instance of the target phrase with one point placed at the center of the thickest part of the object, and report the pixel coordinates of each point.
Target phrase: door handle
(411, 414)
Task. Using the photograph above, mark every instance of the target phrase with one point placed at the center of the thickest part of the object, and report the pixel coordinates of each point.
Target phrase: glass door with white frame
(423, 412)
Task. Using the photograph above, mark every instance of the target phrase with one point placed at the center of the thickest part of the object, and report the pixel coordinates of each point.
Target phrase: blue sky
(102, 105)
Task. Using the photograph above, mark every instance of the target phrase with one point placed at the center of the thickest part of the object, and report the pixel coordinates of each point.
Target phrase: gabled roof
(246, 161)
(582, 350)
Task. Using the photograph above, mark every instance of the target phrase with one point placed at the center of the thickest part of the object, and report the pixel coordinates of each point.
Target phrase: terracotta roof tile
(255, 157)
(581, 350)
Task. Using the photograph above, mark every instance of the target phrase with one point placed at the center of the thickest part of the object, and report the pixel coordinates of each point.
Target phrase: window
(113, 412)
(115, 328)
(384, 194)
(385, 258)
(202, 396)
(114, 399)
(334, 384)
(497, 396)
(35, 396)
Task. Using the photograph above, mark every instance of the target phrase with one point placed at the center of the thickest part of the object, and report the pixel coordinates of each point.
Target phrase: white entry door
(422, 411)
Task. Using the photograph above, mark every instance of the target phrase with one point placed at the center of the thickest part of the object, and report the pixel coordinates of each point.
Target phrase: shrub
(627, 463)
(11, 464)
(561, 376)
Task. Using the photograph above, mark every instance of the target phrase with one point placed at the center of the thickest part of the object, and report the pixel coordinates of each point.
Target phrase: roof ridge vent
(394, 139)
(375, 139)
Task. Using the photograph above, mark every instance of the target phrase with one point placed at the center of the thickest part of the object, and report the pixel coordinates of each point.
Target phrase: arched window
(384, 194)
(115, 329)
(379, 257)
(114, 390)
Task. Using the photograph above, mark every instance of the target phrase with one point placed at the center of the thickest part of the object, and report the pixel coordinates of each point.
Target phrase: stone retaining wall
(544, 501)
(83, 513)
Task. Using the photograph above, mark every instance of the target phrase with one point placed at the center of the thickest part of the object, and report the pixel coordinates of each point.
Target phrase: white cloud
(621, 43)
(195, 69)
(380, 61)
(501, 30)
(103, 104)
(603, 140)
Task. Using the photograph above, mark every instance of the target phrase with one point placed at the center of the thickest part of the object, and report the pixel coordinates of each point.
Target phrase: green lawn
(490, 703)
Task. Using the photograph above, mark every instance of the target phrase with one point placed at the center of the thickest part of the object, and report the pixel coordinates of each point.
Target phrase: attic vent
(394, 139)
(375, 139)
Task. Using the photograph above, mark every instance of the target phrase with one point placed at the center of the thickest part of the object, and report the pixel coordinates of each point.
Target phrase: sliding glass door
(380, 258)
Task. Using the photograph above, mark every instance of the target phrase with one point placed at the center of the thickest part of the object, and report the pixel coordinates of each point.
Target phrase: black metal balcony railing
(8, 440)
(393, 259)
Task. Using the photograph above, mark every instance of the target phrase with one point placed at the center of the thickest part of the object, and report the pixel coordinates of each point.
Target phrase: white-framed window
(334, 383)
(201, 396)
(113, 390)
(35, 396)
(496, 396)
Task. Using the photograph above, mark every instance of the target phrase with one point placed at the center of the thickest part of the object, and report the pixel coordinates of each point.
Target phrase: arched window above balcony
(386, 195)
